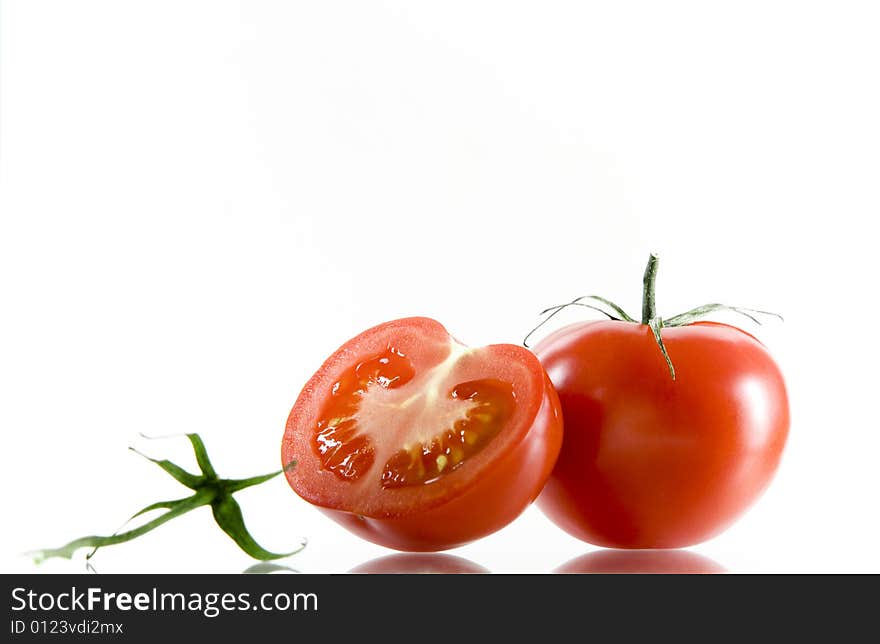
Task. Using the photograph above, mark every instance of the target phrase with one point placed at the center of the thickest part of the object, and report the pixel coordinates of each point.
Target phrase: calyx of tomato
(208, 488)
(649, 311)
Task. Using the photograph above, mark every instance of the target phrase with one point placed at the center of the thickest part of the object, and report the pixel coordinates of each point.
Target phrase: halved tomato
(416, 442)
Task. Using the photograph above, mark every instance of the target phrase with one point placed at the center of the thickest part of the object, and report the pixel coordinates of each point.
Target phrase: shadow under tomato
(407, 563)
(662, 562)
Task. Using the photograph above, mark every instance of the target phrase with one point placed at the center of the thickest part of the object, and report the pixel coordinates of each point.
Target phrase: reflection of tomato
(416, 442)
(406, 563)
(641, 561)
(649, 461)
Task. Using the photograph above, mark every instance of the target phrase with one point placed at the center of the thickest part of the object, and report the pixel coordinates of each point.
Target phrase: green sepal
(656, 324)
(234, 485)
(688, 317)
(180, 475)
(200, 498)
(208, 490)
(649, 315)
(578, 301)
(227, 514)
(202, 456)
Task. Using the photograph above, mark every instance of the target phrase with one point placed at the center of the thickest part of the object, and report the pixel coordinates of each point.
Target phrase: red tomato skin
(652, 462)
(491, 503)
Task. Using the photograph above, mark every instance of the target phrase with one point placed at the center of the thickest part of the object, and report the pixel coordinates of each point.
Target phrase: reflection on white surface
(662, 562)
(411, 563)
(268, 568)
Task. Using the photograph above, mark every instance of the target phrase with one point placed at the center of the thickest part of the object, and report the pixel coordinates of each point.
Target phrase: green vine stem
(208, 488)
(649, 311)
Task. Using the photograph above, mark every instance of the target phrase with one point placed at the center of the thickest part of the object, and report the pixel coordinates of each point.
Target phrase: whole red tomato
(672, 429)
(416, 442)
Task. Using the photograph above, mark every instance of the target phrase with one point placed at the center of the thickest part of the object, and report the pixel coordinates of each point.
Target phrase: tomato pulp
(652, 462)
(416, 442)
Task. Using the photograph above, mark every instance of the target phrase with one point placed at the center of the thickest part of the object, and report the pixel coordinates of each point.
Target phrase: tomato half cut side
(416, 442)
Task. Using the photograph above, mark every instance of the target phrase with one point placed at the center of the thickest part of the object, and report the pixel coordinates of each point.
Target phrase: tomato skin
(491, 503)
(652, 462)
(480, 497)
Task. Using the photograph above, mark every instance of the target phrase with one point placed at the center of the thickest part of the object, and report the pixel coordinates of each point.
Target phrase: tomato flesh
(420, 443)
(483, 408)
(344, 450)
(424, 462)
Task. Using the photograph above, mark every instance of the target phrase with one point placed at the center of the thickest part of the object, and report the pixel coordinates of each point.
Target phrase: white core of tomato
(413, 413)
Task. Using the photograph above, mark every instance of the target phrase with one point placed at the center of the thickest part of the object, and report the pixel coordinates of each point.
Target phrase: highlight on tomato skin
(416, 442)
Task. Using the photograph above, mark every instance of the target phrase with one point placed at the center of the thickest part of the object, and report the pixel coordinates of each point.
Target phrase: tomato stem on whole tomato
(649, 305)
(649, 311)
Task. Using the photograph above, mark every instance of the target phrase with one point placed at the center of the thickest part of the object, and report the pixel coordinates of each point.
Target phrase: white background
(199, 201)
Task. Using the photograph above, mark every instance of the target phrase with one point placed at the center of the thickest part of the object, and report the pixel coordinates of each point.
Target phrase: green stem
(649, 306)
(649, 312)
